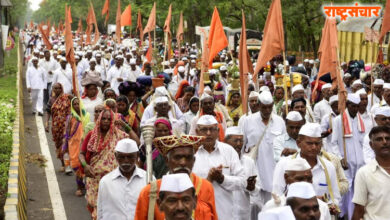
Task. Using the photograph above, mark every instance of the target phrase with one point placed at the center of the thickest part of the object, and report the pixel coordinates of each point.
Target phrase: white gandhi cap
(266, 98)
(303, 190)
(297, 164)
(126, 146)
(354, 98)
(384, 110)
(280, 213)
(311, 130)
(234, 130)
(176, 183)
(294, 116)
(297, 88)
(207, 120)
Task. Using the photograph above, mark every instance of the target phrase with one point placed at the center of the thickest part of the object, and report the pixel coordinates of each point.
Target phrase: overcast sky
(34, 4)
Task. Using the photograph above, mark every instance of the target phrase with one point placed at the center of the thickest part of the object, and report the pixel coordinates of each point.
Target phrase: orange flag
(151, 25)
(31, 25)
(88, 31)
(149, 53)
(45, 36)
(273, 40)
(48, 28)
(167, 29)
(106, 10)
(180, 32)
(93, 20)
(126, 16)
(139, 27)
(69, 50)
(118, 23)
(217, 37)
(245, 65)
(70, 15)
(205, 63)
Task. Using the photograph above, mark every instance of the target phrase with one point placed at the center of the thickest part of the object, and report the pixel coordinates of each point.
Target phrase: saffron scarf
(347, 124)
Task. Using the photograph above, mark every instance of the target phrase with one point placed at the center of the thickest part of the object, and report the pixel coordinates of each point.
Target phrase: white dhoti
(37, 100)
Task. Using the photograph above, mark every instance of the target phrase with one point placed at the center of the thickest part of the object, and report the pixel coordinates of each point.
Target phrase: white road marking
(52, 183)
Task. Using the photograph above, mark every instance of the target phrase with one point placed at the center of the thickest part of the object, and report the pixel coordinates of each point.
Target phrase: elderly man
(119, 189)
(364, 114)
(260, 129)
(36, 83)
(324, 173)
(299, 92)
(177, 197)
(63, 75)
(285, 144)
(327, 122)
(207, 107)
(219, 163)
(347, 137)
(323, 107)
(302, 199)
(253, 101)
(377, 93)
(386, 97)
(356, 85)
(297, 170)
(117, 74)
(382, 118)
(246, 200)
(371, 197)
(179, 154)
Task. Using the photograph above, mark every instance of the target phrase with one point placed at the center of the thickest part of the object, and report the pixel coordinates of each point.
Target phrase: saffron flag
(245, 65)
(89, 27)
(167, 30)
(45, 36)
(180, 30)
(80, 27)
(217, 37)
(106, 10)
(118, 23)
(150, 50)
(70, 15)
(139, 27)
(151, 25)
(93, 20)
(126, 16)
(273, 40)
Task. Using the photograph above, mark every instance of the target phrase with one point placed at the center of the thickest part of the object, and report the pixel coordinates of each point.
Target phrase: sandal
(79, 193)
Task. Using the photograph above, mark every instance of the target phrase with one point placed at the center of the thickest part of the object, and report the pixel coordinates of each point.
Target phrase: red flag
(93, 20)
(45, 37)
(118, 23)
(245, 65)
(151, 25)
(205, 63)
(167, 30)
(149, 53)
(106, 10)
(180, 30)
(139, 27)
(126, 16)
(217, 37)
(273, 40)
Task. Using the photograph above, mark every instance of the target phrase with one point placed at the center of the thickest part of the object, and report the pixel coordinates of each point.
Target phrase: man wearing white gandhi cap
(260, 129)
(297, 170)
(119, 189)
(377, 93)
(323, 107)
(324, 173)
(281, 213)
(177, 199)
(303, 202)
(247, 199)
(347, 136)
(253, 103)
(219, 163)
(285, 144)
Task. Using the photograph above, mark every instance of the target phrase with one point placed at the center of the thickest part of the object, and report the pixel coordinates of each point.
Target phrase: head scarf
(164, 121)
(84, 117)
(180, 91)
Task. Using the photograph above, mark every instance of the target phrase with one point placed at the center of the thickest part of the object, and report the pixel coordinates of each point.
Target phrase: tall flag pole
(118, 23)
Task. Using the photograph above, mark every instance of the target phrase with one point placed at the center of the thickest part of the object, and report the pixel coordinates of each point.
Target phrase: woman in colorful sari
(234, 106)
(74, 132)
(127, 115)
(184, 101)
(58, 108)
(278, 99)
(133, 91)
(162, 127)
(97, 155)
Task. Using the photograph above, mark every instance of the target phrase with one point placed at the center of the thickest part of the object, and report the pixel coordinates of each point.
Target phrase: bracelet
(83, 164)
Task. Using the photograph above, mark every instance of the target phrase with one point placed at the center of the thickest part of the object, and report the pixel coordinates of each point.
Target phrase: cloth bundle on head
(234, 130)
(354, 98)
(176, 183)
(280, 213)
(383, 110)
(311, 130)
(297, 164)
(333, 98)
(207, 120)
(266, 98)
(167, 143)
(297, 88)
(303, 190)
(126, 146)
(294, 116)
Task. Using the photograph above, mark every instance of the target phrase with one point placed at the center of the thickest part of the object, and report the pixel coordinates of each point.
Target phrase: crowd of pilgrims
(320, 163)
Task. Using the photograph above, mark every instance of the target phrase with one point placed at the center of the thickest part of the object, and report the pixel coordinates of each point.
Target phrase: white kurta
(35, 78)
(327, 122)
(320, 184)
(368, 153)
(117, 198)
(63, 76)
(149, 113)
(321, 109)
(376, 100)
(47, 66)
(253, 128)
(133, 74)
(89, 105)
(233, 172)
(242, 198)
(113, 74)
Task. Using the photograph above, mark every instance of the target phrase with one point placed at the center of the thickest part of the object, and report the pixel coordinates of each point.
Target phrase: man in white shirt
(327, 123)
(285, 144)
(246, 199)
(36, 83)
(260, 129)
(372, 181)
(49, 65)
(386, 97)
(117, 74)
(324, 173)
(101, 65)
(323, 107)
(219, 163)
(134, 70)
(119, 189)
(63, 75)
(299, 92)
(366, 116)
(377, 93)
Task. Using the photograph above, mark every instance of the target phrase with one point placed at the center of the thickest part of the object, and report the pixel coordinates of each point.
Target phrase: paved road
(39, 204)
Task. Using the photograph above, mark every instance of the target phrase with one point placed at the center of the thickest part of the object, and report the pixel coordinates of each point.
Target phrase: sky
(35, 4)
